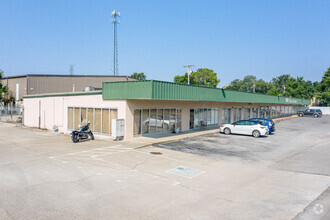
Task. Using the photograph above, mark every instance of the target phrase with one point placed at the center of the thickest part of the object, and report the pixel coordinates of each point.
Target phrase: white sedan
(253, 128)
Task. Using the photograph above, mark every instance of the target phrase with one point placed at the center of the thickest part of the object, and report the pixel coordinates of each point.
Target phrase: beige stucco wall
(54, 110)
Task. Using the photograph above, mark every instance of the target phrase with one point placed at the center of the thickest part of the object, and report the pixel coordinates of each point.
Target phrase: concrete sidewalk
(170, 137)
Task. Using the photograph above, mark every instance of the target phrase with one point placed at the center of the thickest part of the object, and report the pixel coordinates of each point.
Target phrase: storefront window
(137, 122)
(226, 116)
(216, 116)
(113, 115)
(159, 120)
(267, 112)
(83, 116)
(76, 118)
(172, 119)
(246, 113)
(90, 118)
(145, 121)
(200, 116)
(283, 110)
(105, 121)
(273, 114)
(97, 120)
(237, 114)
(212, 116)
(166, 120)
(153, 120)
(254, 112)
(262, 111)
(207, 116)
(178, 118)
(156, 120)
(196, 118)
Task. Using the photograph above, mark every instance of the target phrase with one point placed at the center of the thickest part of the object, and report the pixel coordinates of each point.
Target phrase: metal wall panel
(11, 84)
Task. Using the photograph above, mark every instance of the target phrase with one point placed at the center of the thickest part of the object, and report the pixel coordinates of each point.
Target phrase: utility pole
(115, 14)
(189, 72)
(254, 86)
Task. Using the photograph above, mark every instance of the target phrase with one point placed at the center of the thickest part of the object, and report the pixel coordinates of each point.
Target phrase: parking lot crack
(143, 162)
(7, 212)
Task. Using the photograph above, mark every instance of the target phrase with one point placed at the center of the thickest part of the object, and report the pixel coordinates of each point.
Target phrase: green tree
(202, 77)
(183, 79)
(262, 86)
(2, 88)
(250, 84)
(236, 84)
(140, 76)
(5, 94)
(323, 94)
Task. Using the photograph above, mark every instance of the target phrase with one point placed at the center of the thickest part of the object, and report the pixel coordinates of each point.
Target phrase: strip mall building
(150, 107)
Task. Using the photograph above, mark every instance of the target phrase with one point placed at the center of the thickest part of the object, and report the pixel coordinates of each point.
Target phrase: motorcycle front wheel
(91, 135)
(75, 138)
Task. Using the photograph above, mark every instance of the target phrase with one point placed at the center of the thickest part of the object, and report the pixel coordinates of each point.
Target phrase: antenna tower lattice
(115, 14)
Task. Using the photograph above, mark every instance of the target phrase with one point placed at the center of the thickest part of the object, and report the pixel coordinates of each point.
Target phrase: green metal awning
(159, 90)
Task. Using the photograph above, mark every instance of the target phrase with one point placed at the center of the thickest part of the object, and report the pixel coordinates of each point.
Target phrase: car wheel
(227, 131)
(256, 133)
(316, 116)
(300, 115)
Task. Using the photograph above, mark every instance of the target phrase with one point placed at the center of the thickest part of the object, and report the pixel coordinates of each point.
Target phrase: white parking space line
(92, 154)
(96, 149)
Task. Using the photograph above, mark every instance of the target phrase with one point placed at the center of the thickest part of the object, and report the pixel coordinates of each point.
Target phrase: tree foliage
(323, 93)
(140, 76)
(6, 95)
(250, 84)
(202, 77)
(2, 88)
(285, 85)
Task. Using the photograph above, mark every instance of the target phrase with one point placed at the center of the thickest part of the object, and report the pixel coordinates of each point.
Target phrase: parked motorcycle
(81, 134)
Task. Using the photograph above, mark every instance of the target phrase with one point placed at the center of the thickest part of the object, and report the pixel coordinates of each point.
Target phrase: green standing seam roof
(159, 90)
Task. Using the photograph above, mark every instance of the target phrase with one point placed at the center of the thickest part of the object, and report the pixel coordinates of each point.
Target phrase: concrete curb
(194, 134)
(178, 138)
(277, 120)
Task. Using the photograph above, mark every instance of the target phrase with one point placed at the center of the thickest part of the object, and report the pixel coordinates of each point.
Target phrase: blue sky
(265, 38)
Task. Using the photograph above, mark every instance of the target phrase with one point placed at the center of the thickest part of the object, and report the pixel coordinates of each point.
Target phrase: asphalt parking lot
(294, 138)
(43, 175)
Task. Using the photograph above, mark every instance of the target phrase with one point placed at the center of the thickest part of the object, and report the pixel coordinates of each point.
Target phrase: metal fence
(12, 114)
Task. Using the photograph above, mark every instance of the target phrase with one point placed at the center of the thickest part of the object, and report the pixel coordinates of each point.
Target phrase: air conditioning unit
(89, 88)
(118, 128)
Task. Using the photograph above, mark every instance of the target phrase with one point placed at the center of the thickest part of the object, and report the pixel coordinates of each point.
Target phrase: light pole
(189, 72)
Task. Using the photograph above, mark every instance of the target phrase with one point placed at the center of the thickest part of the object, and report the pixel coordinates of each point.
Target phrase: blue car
(269, 122)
